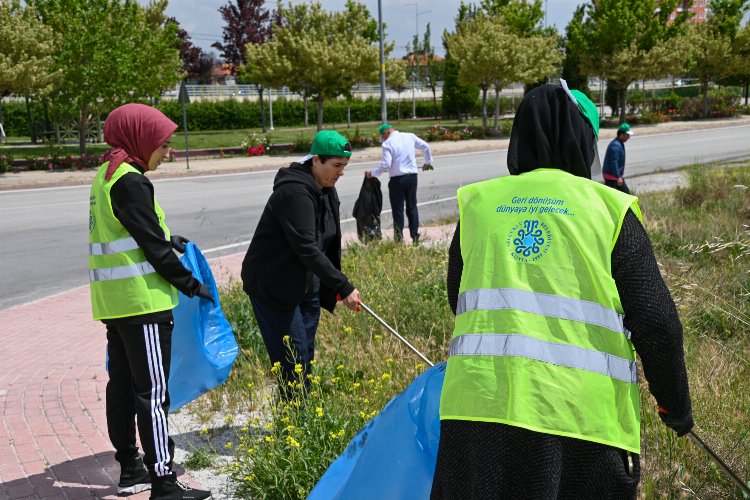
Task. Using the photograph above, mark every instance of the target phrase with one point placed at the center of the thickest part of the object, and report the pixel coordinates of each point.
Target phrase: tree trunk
(497, 108)
(348, 115)
(747, 83)
(307, 110)
(704, 90)
(623, 103)
(32, 131)
(262, 108)
(320, 113)
(434, 101)
(83, 126)
(398, 108)
(484, 107)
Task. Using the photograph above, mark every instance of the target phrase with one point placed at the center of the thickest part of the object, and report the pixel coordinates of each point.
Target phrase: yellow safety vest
(539, 340)
(123, 283)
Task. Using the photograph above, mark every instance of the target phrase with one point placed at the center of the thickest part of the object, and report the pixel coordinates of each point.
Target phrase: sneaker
(415, 239)
(169, 488)
(134, 478)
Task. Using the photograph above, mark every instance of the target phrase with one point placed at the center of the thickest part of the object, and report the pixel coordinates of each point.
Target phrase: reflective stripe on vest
(500, 344)
(494, 299)
(113, 247)
(120, 272)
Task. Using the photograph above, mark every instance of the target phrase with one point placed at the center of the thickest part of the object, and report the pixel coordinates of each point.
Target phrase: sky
(201, 18)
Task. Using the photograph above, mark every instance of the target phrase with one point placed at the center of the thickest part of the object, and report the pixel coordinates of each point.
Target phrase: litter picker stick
(742, 486)
(394, 332)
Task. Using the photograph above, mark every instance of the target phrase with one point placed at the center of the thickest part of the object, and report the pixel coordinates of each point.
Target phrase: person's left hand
(179, 242)
(427, 166)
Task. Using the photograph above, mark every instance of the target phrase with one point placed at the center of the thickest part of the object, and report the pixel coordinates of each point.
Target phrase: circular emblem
(529, 240)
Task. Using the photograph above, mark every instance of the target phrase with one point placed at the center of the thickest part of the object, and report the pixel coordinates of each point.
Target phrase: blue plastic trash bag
(394, 455)
(203, 344)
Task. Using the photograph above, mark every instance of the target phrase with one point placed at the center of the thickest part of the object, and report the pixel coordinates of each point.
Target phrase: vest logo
(529, 240)
(92, 221)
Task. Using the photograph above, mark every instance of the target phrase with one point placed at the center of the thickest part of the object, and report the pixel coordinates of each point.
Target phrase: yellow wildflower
(389, 360)
(378, 337)
(419, 366)
(348, 329)
(385, 376)
(319, 411)
(340, 433)
(340, 367)
(290, 428)
(229, 419)
(203, 432)
(313, 361)
(229, 444)
(286, 339)
(292, 442)
(270, 439)
(298, 368)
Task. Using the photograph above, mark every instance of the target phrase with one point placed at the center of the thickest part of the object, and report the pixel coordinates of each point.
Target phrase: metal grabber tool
(394, 332)
(742, 486)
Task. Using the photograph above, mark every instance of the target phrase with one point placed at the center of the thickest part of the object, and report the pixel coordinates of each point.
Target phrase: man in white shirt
(400, 161)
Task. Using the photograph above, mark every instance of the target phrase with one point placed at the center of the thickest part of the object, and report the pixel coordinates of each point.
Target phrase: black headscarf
(550, 132)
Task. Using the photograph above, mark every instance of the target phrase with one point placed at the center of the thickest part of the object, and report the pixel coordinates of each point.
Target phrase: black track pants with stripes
(139, 359)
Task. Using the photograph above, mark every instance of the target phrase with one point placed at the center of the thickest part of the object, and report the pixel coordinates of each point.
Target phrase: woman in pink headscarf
(134, 277)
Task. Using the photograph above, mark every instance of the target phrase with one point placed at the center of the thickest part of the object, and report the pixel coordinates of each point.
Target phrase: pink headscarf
(135, 131)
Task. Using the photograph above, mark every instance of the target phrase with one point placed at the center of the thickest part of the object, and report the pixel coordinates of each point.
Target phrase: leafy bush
(6, 163)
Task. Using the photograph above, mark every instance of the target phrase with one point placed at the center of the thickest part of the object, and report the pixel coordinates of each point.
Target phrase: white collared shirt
(399, 154)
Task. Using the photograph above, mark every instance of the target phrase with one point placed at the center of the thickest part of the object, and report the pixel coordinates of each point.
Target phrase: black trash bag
(367, 210)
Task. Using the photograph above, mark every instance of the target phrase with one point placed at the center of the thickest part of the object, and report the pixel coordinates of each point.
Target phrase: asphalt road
(43, 232)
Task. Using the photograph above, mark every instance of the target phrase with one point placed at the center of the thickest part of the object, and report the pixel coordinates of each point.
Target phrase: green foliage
(493, 53)
(26, 49)
(6, 163)
(109, 52)
(701, 239)
(458, 99)
(200, 458)
(318, 54)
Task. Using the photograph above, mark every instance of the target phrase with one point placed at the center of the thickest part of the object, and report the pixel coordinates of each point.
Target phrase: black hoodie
(285, 250)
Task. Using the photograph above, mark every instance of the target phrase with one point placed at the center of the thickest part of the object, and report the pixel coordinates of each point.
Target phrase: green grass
(701, 238)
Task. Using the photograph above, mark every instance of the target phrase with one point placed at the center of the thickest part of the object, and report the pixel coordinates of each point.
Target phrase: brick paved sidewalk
(53, 432)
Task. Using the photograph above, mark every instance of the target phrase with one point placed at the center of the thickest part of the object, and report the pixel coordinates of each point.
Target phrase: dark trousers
(403, 189)
(301, 325)
(613, 184)
(139, 360)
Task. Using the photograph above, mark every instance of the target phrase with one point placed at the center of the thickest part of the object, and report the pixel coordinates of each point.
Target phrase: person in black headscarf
(554, 282)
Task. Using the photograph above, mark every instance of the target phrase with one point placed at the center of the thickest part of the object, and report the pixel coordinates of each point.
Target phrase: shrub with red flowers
(255, 150)
(255, 145)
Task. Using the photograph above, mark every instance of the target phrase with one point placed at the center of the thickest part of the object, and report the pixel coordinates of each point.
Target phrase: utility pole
(383, 104)
(416, 59)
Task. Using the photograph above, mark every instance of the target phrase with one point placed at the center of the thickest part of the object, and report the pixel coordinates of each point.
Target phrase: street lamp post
(416, 61)
(383, 105)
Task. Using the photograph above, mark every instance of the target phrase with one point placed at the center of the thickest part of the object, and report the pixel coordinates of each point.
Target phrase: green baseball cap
(330, 143)
(384, 127)
(625, 129)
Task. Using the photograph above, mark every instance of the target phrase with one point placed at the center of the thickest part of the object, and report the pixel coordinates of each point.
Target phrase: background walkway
(53, 428)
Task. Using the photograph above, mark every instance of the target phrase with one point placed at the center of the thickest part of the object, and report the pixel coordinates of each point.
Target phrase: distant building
(699, 9)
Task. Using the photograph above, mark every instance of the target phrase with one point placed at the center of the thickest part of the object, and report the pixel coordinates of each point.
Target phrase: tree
(247, 22)
(458, 98)
(627, 41)
(492, 54)
(318, 54)
(395, 70)
(432, 68)
(189, 54)
(26, 55)
(715, 49)
(26, 48)
(572, 72)
(109, 52)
